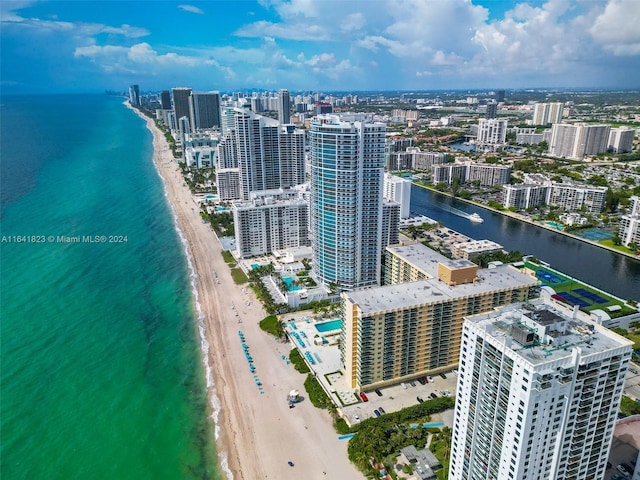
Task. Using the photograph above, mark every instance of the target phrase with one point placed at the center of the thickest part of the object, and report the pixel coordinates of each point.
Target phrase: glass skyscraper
(347, 168)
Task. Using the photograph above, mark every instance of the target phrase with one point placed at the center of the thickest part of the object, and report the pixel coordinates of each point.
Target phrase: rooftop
(540, 333)
(403, 295)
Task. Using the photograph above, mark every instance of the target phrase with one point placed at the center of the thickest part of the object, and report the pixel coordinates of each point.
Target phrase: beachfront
(257, 431)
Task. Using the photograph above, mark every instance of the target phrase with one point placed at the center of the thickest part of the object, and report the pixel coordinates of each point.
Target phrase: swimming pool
(289, 283)
(328, 326)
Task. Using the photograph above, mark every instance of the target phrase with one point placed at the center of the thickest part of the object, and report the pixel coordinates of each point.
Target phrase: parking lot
(397, 397)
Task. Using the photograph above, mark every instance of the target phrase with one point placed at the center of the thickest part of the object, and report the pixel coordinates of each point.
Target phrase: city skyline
(74, 47)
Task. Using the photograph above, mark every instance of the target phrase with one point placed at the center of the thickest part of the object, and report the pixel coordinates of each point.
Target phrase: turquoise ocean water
(100, 365)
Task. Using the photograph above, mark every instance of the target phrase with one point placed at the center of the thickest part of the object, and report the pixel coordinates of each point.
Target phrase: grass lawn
(569, 286)
(239, 278)
(620, 248)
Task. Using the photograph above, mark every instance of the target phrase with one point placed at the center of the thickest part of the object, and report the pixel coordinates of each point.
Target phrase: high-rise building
(284, 107)
(630, 223)
(134, 95)
(578, 140)
(347, 167)
(270, 220)
(412, 326)
(547, 113)
(492, 134)
(538, 395)
(165, 100)
(492, 109)
(398, 189)
(269, 155)
(204, 110)
(621, 139)
(181, 102)
(500, 96)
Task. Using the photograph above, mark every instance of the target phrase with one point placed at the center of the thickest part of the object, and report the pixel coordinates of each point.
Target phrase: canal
(609, 271)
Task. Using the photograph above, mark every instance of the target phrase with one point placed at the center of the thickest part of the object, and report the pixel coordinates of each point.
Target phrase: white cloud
(298, 31)
(191, 9)
(141, 58)
(617, 29)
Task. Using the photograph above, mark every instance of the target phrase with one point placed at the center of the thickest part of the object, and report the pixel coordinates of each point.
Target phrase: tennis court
(596, 235)
(591, 296)
(573, 299)
(548, 277)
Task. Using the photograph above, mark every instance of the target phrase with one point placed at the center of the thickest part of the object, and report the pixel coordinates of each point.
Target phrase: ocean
(101, 371)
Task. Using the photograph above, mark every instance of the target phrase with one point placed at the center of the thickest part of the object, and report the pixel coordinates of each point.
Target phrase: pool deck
(329, 373)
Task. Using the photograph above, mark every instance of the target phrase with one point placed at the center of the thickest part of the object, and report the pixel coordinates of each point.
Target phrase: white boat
(475, 218)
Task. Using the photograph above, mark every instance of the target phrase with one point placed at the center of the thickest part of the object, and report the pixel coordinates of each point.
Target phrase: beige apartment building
(413, 327)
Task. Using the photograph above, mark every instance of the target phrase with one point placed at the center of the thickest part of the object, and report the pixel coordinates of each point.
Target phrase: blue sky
(90, 46)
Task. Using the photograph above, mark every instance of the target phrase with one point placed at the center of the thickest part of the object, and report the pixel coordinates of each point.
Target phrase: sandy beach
(257, 431)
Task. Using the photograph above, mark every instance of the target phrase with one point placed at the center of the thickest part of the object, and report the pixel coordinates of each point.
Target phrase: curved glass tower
(347, 168)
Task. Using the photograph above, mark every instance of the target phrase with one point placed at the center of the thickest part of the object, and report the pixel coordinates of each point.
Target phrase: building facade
(347, 167)
(621, 139)
(284, 107)
(398, 189)
(630, 223)
(134, 95)
(577, 141)
(204, 110)
(538, 395)
(547, 113)
(401, 331)
(270, 220)
(492, 134)
(181, 102)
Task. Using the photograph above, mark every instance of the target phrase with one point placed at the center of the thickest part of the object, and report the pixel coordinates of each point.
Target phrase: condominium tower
(538, 395)
(413, 326)
(347, 167)
(181, 102)
(578, 140)
(547, 113)
(630, 223)
(204, 110)
(284, 106)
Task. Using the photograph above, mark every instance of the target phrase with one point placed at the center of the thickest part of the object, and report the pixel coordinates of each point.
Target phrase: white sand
(258, 432)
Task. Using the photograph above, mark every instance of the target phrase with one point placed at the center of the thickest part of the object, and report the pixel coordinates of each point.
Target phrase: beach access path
(257, 432)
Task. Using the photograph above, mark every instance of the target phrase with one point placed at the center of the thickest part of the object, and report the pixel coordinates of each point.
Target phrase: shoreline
(256, 431)
(524, 219)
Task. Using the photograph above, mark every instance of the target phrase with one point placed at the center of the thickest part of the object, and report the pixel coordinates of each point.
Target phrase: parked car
(433, 395)
(381, 410)
(430, 378)
(412, 383)
(443, 376)
(356, 418)
(378, 392)
(377, 413)
(364, 397)
(423, 380)
(419, 400)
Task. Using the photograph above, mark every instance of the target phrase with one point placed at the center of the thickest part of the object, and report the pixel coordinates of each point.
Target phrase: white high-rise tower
(538, 395)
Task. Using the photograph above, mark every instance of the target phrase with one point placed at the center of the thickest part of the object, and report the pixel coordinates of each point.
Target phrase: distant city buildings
(204, 110)
(284, 107)
(134, 95)
(485, 174)
(537, 191)
(165, 100)
(538, 395)
(347, 166)
(630, 224)
(492, 134)
(547, 113)
(576, 141)
(491, 109)
(181, 102)
(412, 326)
(621, 139)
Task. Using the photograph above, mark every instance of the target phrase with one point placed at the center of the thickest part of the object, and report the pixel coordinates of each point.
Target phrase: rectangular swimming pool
(329, 326)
